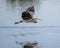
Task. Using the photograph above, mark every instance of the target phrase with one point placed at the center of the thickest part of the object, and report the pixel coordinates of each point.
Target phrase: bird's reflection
(11, 3)
(20, 3)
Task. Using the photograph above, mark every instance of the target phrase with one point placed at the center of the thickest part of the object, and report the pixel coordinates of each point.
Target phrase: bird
(27, 15)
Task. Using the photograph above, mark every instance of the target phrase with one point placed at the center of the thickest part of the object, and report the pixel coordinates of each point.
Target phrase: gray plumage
(30, 9)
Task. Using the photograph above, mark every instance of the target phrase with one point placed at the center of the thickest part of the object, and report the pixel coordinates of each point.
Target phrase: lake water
(45, 32)
(47, 37)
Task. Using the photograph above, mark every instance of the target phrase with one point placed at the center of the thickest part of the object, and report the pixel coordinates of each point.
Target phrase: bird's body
(27, 15)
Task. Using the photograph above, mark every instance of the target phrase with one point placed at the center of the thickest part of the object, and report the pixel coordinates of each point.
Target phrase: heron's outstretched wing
(30, 9)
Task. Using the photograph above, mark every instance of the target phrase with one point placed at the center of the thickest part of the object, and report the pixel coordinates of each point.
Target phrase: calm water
(47, 37)
(45, 32)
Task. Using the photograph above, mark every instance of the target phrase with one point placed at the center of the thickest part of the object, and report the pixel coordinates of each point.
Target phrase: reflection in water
(11, 3)
(22, 3)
